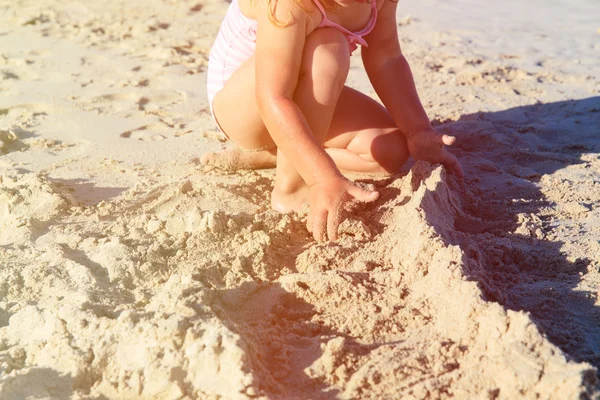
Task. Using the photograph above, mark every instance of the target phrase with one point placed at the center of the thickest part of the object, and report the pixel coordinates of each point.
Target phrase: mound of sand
(174, 298)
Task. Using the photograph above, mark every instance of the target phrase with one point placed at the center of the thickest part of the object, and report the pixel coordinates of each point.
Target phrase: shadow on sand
(509, 230)
(40, 383)
(516, 234)
(281, 338)
(86, 192)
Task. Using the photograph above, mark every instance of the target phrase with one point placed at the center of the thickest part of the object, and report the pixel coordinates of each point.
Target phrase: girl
(276, 89)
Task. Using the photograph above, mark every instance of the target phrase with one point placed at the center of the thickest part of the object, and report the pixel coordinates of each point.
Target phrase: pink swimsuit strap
(354, 38)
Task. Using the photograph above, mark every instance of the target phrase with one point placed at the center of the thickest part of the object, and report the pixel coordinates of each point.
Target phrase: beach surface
(130, 271)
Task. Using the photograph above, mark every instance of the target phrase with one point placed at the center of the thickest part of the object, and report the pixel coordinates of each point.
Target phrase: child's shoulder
(283, 12)
(305, 5)
(297, 7)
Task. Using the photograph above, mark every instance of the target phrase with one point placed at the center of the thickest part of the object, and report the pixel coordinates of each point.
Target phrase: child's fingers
(309, 221)
(333, 221)
(319, 227)
(448, 140)
(453, 165)
(363, 195)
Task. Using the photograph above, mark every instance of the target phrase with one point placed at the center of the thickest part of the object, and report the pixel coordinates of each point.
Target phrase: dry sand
(130, 272)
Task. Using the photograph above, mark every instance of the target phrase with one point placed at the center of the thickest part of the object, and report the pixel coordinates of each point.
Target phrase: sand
(130, 271)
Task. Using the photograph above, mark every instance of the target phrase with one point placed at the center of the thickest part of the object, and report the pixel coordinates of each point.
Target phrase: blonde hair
(329, 5)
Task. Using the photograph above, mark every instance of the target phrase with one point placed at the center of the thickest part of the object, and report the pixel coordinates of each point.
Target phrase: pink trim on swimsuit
(354, 38)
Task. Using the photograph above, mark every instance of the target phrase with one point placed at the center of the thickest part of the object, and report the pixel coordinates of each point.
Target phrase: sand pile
(127, 270)
(164, 296)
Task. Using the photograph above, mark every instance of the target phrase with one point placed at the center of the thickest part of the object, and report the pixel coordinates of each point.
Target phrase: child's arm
(392, 79)
(278, 60)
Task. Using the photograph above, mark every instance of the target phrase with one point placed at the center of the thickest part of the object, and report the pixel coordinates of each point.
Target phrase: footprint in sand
(9, 141)
(129, 101)
(146, 132)
(159, 130)
(15, 139)
(10, 75)
(111, 103)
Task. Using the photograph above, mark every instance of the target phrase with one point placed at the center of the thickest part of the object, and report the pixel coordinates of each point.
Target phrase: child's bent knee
(326, 54)
(390, 151)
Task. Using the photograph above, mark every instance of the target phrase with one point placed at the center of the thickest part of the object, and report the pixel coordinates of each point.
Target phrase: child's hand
(326, 202)
(428, 145)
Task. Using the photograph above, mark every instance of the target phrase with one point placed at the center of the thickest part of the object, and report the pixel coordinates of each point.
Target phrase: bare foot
(289, 199)
(235, 159)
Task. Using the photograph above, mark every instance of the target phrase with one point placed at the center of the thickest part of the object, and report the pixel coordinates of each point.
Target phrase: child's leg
(325, 65)
(363, 137)
(358, 133)
(323, 72)
(237, 159)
